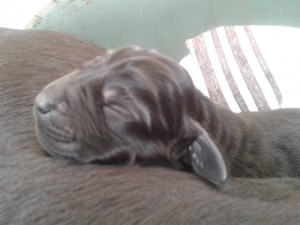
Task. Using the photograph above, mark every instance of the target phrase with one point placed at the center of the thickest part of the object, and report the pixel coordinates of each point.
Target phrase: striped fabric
(232, 71)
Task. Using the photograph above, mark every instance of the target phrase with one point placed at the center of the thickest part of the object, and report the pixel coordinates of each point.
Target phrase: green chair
(163, 25)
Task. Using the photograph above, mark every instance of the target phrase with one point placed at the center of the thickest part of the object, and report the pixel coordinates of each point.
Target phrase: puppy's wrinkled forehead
(133, 67)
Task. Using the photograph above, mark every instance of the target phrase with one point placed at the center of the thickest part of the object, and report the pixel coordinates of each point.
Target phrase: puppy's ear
(202, 156)
(206, 160)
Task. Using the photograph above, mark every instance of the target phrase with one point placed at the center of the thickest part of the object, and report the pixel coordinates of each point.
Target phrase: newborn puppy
(136, 106)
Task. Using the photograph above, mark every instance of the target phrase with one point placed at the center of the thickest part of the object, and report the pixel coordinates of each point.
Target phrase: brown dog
(137, 106)
(35, 189)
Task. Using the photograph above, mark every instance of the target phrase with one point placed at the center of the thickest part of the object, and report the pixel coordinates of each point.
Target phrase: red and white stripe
(232, 70)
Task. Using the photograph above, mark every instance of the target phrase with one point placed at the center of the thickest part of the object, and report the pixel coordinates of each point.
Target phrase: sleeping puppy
(136, 106)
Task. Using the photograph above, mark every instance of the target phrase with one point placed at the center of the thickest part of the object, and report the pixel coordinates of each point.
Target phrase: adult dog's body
(35, 189)
(137, 106)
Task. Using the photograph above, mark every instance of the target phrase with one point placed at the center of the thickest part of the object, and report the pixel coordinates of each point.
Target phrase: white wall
(17, 13)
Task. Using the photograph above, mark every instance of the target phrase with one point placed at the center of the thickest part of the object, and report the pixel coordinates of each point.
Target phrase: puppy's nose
(43, 104)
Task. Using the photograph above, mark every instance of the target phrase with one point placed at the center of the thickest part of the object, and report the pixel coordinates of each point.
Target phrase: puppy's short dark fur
(35, 189)
(137, 106)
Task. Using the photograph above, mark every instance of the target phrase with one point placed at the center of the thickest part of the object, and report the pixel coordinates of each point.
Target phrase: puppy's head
(132, 106)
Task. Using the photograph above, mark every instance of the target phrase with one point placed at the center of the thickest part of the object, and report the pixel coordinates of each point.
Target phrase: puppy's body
(138, 106)
(256, 144)
(275, 142)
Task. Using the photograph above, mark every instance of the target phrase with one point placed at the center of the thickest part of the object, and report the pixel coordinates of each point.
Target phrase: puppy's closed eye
(120, 106)
(115, 111)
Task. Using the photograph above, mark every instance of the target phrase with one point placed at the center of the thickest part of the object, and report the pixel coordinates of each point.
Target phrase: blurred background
(17, 13)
